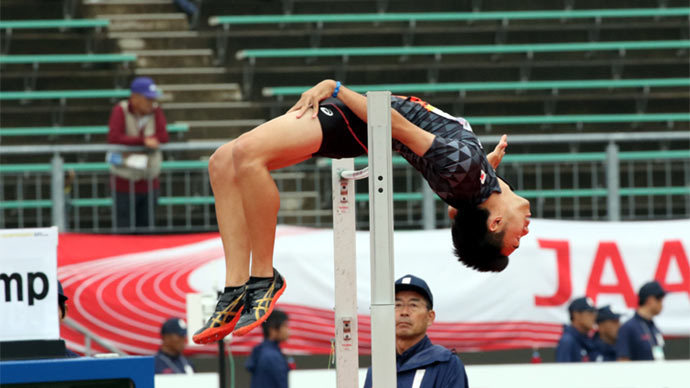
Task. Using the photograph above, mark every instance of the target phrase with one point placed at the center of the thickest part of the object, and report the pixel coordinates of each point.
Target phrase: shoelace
(224, 301)
(252, 290)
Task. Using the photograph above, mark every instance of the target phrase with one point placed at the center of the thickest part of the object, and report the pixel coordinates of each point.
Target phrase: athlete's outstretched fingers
(499, 152)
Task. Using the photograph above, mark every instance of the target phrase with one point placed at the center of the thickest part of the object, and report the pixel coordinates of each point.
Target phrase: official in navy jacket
(267, 364)
(420, 364)
(639, 339)
(575, 345)
(608, 324)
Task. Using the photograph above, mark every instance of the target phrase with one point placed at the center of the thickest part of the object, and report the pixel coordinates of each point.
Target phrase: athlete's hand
(452, 212)
(498, 153)
(311, 98)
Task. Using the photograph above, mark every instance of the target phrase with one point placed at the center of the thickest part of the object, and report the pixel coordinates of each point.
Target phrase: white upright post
(346, 340)
(381, 232)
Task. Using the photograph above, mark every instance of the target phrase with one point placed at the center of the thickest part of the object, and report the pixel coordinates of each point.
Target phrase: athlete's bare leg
(228, 200)
(240, 175)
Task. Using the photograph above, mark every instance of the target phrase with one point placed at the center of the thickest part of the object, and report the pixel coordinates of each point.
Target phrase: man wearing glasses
(420, 364)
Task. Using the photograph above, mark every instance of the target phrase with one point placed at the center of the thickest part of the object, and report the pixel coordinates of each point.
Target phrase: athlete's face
(515, 223)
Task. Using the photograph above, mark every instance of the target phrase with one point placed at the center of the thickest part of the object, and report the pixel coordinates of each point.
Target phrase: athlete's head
(475, 246)
(485, 235)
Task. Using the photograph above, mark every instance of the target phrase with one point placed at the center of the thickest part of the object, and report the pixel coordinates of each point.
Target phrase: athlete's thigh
(283, 141)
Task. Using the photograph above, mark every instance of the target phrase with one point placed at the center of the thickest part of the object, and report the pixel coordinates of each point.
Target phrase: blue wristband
(336, 90)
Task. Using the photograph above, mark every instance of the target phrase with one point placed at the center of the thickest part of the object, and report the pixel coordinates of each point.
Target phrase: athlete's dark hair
(274, 321)
(475, 246)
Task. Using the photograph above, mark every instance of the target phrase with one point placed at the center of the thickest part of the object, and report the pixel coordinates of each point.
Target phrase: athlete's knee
(220, 163)
(246, 154)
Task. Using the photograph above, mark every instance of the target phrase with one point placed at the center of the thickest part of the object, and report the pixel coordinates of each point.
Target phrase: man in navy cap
(639, 338)
(608, 324)
(62, 305)
(169, 358)
(267, 363)
(420, 363)
(138, 121)
(576, 345)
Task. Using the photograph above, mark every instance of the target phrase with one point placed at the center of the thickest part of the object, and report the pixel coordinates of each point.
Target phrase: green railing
(488, 86)
(66, 58)
(74, 130)
(572, 185)
(461, 50)
(52, 23)
(64, 94)
(448, 16)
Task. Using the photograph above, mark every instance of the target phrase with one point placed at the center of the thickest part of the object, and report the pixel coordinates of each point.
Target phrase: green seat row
(447, 16)
(485, 86)
(52, 23)
(456, 50)
(74, 130)
(560, 193)
(67, 58)
(574, 119)
(66, 94)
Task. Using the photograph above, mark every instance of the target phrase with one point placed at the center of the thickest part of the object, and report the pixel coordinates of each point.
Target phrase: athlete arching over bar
(330, 120)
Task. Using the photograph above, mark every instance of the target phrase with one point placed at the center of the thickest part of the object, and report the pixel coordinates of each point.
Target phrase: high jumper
(329, 120)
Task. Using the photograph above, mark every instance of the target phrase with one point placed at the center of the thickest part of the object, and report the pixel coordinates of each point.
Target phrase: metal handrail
(90, 336)
(615, 137)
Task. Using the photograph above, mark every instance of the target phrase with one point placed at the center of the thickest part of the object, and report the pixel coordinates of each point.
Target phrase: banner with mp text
(28, 284)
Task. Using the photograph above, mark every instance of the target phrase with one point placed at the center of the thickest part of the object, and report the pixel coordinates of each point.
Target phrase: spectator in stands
(169, 358)
(190, 8)
(267, 364)
(576, 345)
(639, 338)
(417, 358)
(62, 305)
(608, 324)
(138, 121)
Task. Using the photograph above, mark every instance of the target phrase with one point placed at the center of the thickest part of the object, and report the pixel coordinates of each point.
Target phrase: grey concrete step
(146, 21)
(94, 7)
(160, 40)
(220, 129)
(172, 75)
(200, 92)
(174, 58)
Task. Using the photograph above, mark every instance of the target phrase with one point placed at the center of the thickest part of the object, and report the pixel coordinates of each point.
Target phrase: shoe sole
(246, 329)
(217, 333)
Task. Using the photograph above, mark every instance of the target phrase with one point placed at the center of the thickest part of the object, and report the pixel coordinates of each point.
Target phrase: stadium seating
(74, 130)
(486, 86)
(9, 26)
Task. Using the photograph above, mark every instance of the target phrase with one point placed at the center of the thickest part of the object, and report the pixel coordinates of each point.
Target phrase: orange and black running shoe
(259, 302)
(224, 319)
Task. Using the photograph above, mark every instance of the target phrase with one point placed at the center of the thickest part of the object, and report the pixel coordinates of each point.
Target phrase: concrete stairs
(181, 62)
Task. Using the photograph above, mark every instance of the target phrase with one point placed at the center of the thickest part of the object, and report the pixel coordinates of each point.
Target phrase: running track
(123, 287)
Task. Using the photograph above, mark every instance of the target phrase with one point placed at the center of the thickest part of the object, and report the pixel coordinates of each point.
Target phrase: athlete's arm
(415, 138)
